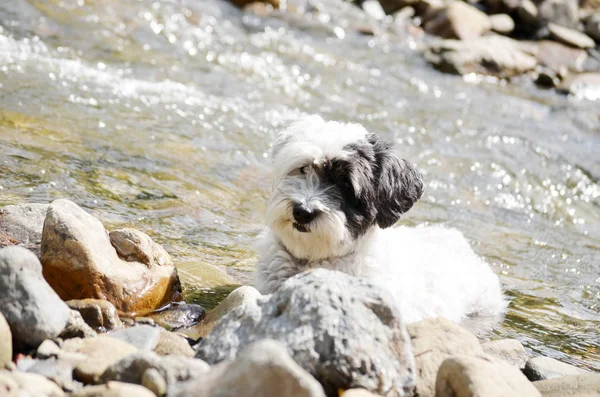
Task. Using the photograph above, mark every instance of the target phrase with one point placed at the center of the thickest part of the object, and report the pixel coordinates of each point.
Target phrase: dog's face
(334, 182)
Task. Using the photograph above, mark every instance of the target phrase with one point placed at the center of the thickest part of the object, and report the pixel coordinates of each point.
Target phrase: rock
(479, 376)
(528, 12)
(170, 343)
(33, 385)
(143, 337)
(458, 21)
(47, 349)
(99, 314)
(433, 341)
(59, 372)
(80, 262)
(5, 343)
(373, 9)
(99, 353)
(323, 313)
(540, 368)
(179, 315)
(153, 381)
(391, 6)
(508, 350)
(144, 321)
(557, 56)
(244, 296)
(114, 389)
(31, 308)
(76, 327)
(358, 393)
(502, 23)
(570, 36)
(584, 86)
(572, 385)
(242, 3)
(8, 387)
(592, 26)
(262, 369)
(173, 369)
(22, 224)
(490, 55)
(560, 12)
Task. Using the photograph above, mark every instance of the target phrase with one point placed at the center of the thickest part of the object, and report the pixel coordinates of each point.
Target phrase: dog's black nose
(303, 214)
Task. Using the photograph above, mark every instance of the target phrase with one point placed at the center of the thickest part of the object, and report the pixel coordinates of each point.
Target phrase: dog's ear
(398, 183)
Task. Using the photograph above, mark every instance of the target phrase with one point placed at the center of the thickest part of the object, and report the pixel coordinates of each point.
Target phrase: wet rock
(490, 55)
(458, 21)
(586, 86)
(358, 393)
(473, 376)
(153, 381)
(592, 26)
(170, 343)
(31, 308)
(179, 315)
(573, 385)
(22, 225)
(76, 327)
(59, 372)
(99, 314)
(173, 369)
(560, 12)
(507, 350)
(557, 56)
(540, 368)
(262, 369)
(99, 353)
(528, 12)
(143, 337)
(114, 389)
(244, 296)
(502, 23)
(144, 321)
(135, 246)
(5, 343)
(32, 384)
(80, 262)
(47, 349)
(325, 313)
(434, 340)
(570, 36)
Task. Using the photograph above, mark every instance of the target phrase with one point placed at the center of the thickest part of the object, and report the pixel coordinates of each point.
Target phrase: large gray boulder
(541, 368)
(5, 343)
(22, 224)
(343, 330)
(31, 308)
(263, 369)
(573, 386)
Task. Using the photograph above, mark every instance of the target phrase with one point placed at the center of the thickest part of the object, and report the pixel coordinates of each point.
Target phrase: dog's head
(333, 182)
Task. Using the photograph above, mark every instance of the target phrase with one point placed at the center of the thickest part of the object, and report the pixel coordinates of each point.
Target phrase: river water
(159, 115)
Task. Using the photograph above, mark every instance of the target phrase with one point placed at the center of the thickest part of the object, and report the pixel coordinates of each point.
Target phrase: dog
(337, 192)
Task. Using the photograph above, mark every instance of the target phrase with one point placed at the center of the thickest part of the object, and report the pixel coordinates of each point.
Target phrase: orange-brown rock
(80, 262)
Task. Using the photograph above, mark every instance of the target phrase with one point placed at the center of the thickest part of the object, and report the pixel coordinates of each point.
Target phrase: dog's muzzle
(303, 216)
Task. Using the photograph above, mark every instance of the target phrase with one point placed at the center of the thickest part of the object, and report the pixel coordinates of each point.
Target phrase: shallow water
(159, 115)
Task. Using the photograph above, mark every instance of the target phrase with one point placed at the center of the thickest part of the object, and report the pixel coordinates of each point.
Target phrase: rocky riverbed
(85, 321)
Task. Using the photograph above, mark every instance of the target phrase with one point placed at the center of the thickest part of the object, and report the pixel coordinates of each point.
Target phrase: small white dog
(337, 190)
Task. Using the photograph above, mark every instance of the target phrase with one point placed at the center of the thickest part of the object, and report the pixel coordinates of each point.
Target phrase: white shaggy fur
(431, 271)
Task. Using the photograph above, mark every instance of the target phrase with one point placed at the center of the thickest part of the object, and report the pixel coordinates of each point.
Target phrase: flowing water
(159, 115)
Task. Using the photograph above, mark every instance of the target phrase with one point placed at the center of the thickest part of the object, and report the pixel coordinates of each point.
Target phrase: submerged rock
(572, 385)
(490, 55)
(343, 330)
(433, 341)
(474, 376)
(99, 314)
(80, 262)
(540, 368)
(22, 225)
(31, 308)
(262, 369)
(179, 315)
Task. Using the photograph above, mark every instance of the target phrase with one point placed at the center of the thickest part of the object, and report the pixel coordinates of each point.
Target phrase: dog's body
(337, 191)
